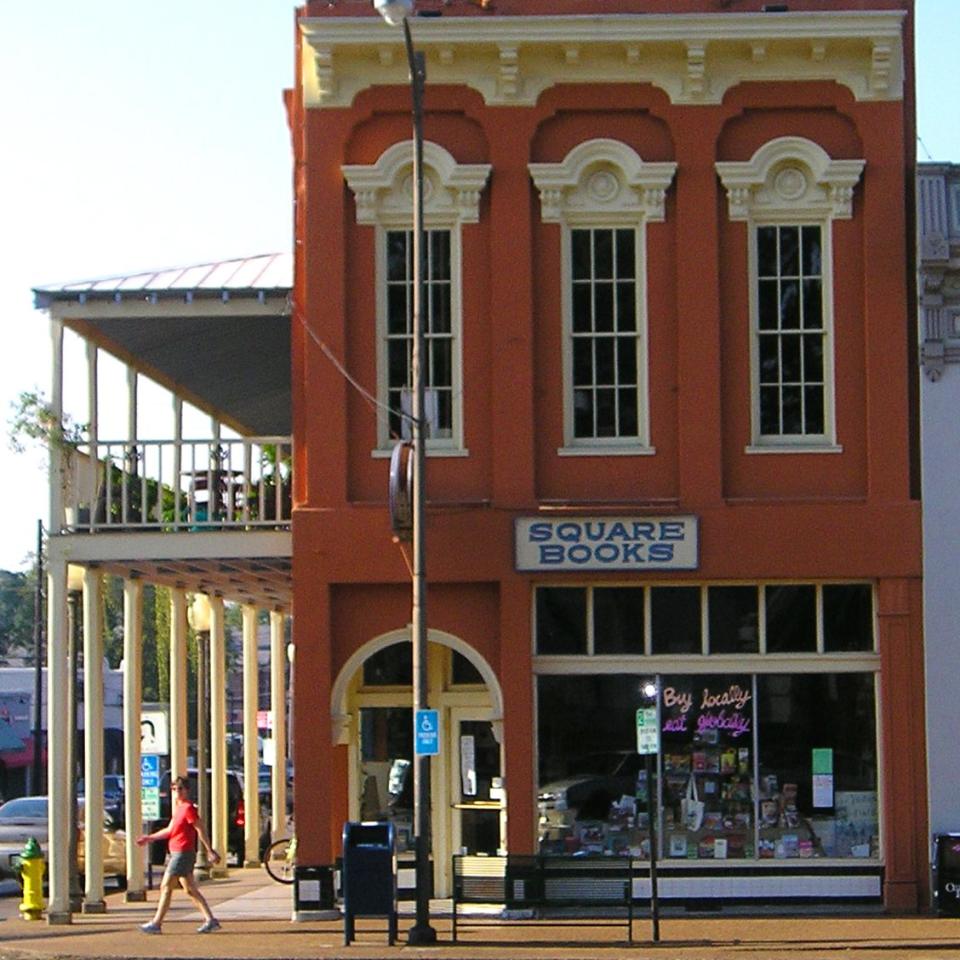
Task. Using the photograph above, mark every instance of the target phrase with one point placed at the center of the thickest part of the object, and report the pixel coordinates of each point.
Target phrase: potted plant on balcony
(34, 421)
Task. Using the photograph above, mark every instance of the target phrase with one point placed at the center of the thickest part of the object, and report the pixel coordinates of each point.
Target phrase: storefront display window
(752, 767)
(847, 617)
(791, 618)
(618, 620)
(734, 619)
(675, 623)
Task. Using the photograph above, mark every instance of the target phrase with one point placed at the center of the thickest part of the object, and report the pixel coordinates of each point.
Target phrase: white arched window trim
(792, 182)
(604, 185)
(384, 199)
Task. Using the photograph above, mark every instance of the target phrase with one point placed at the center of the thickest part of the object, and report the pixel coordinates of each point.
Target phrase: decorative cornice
(602, 178)
(383, 190)
(694, 58)
(790, 175)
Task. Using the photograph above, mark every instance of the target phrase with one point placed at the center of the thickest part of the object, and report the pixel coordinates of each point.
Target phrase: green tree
(16, 609)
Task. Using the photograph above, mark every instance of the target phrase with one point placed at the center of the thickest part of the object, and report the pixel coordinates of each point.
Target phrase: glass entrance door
(477, 787)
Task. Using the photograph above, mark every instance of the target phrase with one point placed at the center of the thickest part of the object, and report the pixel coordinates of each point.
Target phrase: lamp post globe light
(396, 13)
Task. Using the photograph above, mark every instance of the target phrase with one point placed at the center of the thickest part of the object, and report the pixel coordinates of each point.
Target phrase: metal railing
(186, 485)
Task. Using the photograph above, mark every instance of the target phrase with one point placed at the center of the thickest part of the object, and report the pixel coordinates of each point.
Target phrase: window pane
(397, 255)
(462, 671)
(580, 247)
(840, 818)
(604, 347)
(618, 620)
(733, 619)
(391, 666)
(444, 414)
(439, 266)
(811, 251)
(441, 367)
(626, 307)
(769, 360)
(769, 305)
(582, 305)
(770, 410)
(626, 360)
(675, 619)
(767, 251)
(606, 413)
(792, 411)
(603, 306)
(561, 620)
(789, 304)
(847, 617)
(397, 362)
(813, 409)
(812, 305)
(626, 257)
(439, 319)
(813, 358)
(583, 413)
(603, 254)
(397, 316)
(582, 361)
(791, 619)
(790, 359)
(789, 252)
(629, 423)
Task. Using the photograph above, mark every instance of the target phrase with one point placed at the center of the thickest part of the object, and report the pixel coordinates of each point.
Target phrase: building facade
(938, 196)
(671, 413)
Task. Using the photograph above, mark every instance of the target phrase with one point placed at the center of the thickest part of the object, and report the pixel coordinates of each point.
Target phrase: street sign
(648, 733)
(426, 733)
(150, 787)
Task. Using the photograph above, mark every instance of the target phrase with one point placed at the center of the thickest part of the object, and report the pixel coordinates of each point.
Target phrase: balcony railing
(177, 486)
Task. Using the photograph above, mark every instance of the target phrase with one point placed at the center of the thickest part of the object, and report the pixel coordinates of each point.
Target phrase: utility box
(369, 877)
(946, 874)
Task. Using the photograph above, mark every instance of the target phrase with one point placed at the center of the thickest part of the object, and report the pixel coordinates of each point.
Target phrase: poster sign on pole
(426, 734)
(648, 733)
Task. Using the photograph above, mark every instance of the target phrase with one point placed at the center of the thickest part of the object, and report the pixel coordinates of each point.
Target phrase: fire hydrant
(32, 869)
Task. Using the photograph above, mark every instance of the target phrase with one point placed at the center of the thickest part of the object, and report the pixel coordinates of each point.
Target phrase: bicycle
(280, 859)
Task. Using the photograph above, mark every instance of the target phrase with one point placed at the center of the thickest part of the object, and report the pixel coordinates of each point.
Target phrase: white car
(26, 817)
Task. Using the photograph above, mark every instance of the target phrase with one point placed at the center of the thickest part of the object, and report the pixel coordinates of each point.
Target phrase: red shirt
(183, 835)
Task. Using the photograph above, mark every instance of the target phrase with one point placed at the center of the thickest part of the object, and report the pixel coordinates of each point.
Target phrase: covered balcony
(170, 463)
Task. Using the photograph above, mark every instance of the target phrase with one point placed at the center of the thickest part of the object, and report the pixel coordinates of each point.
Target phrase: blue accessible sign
(426, 733)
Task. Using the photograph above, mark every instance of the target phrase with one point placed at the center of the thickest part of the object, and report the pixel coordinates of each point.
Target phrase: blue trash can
(369, 877)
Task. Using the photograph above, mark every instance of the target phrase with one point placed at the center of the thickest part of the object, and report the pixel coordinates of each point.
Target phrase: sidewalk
(256, 926)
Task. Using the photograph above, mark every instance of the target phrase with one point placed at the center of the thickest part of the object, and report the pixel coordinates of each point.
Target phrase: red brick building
(671, 405)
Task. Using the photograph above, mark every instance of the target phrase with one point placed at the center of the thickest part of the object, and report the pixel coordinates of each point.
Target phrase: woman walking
(182, 833)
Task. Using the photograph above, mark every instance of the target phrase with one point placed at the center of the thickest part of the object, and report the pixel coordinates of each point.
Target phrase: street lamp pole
(398, 12)
(199, 616)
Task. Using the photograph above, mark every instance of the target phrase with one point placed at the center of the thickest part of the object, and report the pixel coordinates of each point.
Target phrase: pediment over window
(789, 177)
(384, 190)
(604, 180)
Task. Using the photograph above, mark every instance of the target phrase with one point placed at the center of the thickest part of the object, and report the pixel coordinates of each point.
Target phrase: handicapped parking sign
(426, 733)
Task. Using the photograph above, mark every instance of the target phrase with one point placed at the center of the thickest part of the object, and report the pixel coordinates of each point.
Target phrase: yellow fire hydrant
(32, 869)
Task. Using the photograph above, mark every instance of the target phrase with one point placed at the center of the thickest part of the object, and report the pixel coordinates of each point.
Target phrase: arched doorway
(371, 703)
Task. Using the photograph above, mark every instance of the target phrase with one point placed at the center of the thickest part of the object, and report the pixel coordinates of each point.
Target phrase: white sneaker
(150, 927)
(212, 924)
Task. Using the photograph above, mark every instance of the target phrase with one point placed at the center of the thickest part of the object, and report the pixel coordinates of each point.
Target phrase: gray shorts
(181, 863)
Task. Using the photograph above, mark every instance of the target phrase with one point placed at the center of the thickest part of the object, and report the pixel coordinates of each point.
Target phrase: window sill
(794, 448)
(431, 452)
(611, 451)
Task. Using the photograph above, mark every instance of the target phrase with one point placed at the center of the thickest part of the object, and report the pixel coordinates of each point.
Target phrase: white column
(218, 734)
(54, 451)
(278, 710)
(132, 701)
(58, 867)
(251, 756)
(93, 901)
(178, 682)
(90, 482)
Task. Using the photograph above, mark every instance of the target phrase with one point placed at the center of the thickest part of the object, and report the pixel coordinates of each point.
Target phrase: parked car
(600, 780)
(113, 793)
(236, 814)
(27, 817)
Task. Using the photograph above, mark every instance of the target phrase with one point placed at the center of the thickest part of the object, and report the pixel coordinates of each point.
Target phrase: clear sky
(143, 136)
